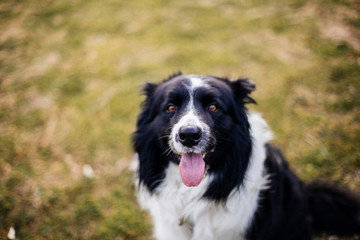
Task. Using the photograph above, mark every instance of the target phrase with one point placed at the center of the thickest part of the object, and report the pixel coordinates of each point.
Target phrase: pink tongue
(192, 167)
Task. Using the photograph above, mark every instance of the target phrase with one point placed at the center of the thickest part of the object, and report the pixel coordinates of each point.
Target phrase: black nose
(190, 136)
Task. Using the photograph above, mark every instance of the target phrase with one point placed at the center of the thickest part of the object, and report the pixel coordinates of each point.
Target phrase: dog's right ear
(149, 89)
(147, 110)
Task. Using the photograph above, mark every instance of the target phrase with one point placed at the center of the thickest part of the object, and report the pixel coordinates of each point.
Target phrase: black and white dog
(206, 170)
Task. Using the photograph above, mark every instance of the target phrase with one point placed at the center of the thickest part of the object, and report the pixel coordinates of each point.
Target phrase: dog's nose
(190, 136)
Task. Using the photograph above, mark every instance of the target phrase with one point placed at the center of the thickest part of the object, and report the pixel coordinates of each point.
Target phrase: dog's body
(206, 170)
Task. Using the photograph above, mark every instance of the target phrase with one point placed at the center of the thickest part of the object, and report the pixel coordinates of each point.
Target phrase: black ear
(149, 89)
(242, 88)
(146, 114)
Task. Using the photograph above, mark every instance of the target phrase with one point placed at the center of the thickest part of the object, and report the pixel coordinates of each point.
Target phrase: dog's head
(192, 118)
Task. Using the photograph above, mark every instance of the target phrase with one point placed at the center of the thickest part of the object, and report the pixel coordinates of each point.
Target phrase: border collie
(206, 169)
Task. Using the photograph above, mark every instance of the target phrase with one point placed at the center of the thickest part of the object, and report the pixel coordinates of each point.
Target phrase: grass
(70, 73)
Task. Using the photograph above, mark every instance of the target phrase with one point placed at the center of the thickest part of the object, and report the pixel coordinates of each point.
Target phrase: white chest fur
(174, 202)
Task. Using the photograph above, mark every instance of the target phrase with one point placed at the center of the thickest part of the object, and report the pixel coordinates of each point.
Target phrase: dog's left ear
(242, 88)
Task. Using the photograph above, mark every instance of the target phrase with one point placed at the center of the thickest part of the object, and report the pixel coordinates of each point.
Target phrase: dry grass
(70, 73)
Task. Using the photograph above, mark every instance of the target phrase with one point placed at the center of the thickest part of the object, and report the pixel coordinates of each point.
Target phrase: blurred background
(70, 74)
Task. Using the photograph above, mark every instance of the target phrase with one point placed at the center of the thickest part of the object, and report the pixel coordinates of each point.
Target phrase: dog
(206, 169)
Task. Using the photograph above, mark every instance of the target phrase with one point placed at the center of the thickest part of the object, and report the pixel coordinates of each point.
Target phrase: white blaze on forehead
(197, 82)
(191, 117)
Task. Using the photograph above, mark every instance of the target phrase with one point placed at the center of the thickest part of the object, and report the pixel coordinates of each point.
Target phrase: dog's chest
(185, 212)
(199, 215)
(186, 200)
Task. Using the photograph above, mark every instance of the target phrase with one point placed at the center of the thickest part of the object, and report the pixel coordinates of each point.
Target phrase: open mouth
(192, 168)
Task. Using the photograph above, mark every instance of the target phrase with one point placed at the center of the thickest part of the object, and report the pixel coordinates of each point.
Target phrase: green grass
(70, 74)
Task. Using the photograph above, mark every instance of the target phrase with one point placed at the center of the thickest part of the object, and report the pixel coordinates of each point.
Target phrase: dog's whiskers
(167, 151)
(165, 136)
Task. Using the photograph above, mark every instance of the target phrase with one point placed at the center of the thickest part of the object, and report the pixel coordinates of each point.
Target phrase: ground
(70, 74)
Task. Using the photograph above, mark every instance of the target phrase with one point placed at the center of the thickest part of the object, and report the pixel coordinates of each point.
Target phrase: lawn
(70, 74)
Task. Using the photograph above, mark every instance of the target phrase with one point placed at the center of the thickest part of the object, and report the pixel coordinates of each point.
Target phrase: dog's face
(193, 116)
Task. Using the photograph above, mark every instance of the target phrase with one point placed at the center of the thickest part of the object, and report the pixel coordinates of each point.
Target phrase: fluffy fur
(247, 190)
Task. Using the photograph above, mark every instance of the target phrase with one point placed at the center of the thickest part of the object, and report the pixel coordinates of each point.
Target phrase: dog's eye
(212, 107)
(171, 108)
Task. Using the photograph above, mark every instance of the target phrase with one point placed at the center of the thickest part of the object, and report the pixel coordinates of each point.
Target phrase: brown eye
(171, 108)
(212, 107)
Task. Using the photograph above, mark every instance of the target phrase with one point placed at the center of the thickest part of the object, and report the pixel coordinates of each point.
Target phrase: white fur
(197, 82)
(190, 118)
(173, 202)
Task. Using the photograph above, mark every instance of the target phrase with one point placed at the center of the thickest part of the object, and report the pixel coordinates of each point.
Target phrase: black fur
(288, 208)
(291, 209)
(344, 217)
(283, 211)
